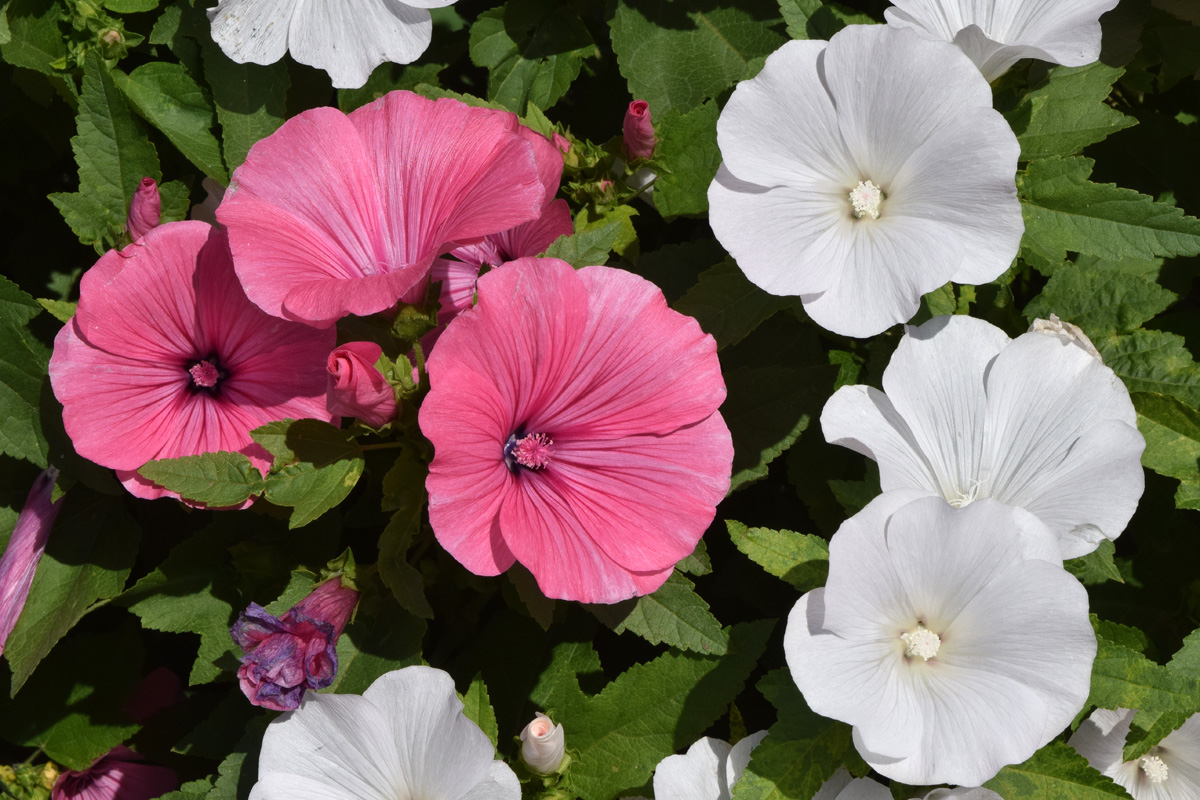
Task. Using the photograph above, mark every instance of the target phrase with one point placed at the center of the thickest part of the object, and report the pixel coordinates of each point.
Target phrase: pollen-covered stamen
(1154, 768)
(866, 198)
(921, 642)
(964, 499)
(205, 374)
(532, 451)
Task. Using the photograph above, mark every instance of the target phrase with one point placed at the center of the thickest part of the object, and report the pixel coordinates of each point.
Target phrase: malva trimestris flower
(166, 357)
(356, 386)
(145, 210)
(1170, 770)
(120, 774)
(563, 408)
(543, 745)
(24, 550)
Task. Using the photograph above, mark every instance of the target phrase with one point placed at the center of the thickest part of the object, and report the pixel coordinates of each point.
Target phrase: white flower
(327, 34)
(1168, 771)
(996, 34)
(841, 786)
(952, 640)
(1067, 332)
(963, 793)
(543, 745)
(707, 771)
(1034, 422)
(406, 736)
(864, 172)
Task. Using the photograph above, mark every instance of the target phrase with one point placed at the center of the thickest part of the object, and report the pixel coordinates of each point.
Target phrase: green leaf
(1052, 773)
(113, 155)
(70, 707)
(477, 707)
(88, 558)
(1155, 362)
(1067, 112)
(250, 100)
(192, 790)
(35, 39)
(814, 19)
(186, 594)
(853, 496)
(1103, 297)
(1096, 567)
(381, 638)
(59, 309)
(697, 563)
(686, 159)
(648, 713)
(592, 244)
(533, 50)
(386, 78)
(727, 304)
(238, 772)
(217, 480)
(1172, 432)
(167, 97)
(674, 614)
(403, 579)
(679, 53)
(1064, 212)
(766, 409)
(802, 749)
(316, 465)
(23, 362)
(130, 6)
(801, 559)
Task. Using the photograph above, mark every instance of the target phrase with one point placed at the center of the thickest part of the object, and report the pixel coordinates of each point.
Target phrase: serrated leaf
(382, 637)
(1063, 212)
(1052, 773)
(1155, 362)
(766, 409)
(686, 159)
(113, 155)
(192, 790)
(130, 6)
(1103, 297)
(477, 707)
(592, 244)
(801, 559)
(533, 50)
(1186, 660)
(23, 362)
(618, 749)
(802, 749)
(238, 772)
(727, 304)
(403, 579)
(35, 40)
(698, 562)
(315, 466)
(1172, 432)
(218, 480)
(814, 19)
(88, 558)
(674, 614)
(250, 101)
(167, 97)
(1067, 112)
(853, 496)
(679, 53)
(59, 309)
(1096, 567)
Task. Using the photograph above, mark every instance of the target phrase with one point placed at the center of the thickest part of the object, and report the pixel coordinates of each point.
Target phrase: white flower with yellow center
(995, 34)
(951, 639)
(863, 172)
(1168, 771)
(1037, 422)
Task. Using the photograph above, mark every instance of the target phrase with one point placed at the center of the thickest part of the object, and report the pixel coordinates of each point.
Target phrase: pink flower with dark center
(356, 387)
(575, 426)
(337, 214)
(285, 656)
(638, 131)
(166, 357)
(145, 210)
(24, 550)
(120, 774)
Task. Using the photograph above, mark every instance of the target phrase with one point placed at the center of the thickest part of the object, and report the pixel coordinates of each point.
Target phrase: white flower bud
(542, 745)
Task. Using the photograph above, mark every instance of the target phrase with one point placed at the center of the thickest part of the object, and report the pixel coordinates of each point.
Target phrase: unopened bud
(542, 745)
(639, 131)
(145, 210)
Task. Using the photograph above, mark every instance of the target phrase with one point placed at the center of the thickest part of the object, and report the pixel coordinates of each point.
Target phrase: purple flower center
(530, 451)
(205, 374)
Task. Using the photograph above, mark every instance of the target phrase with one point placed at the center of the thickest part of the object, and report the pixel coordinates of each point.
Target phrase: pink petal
(24, 550)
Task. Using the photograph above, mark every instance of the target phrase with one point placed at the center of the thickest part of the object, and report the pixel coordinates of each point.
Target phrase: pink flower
(287, 655)
(145, 210)
(166, 357)
(639, 131)
(563, 408)
(24, 550)
(157, 691)
(356, 387)
(120, 774)
(335, 214)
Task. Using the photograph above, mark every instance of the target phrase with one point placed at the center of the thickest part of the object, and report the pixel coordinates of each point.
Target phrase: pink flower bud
(561, 142)
(639, 131)
(145, 210)
(356, 387)
(120, 774)
(24, 550)
(543, 745)
(157, 691)
(285, 656)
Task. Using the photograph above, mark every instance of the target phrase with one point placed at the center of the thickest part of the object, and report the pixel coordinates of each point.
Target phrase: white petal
(831, 788)
(694, 776)
(1180, 750)
(963, 793)
(739, 757)
(500, 783)
(935, 380)
(252, 31)
(349, 45)
(1101, 740)
(282, 786)
(863, 419)
(864, 789)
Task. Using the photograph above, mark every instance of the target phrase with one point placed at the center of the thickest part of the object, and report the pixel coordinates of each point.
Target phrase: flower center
(964, 499)
(532, 451)
(1154, 768)
(205, 374)
(866, 197)
(921, 642)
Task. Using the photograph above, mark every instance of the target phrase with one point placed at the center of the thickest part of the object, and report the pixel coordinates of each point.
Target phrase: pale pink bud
(356, 388)
(543, 745)
(639, 131)
(145, 210)
(120, 774)
(24, 550)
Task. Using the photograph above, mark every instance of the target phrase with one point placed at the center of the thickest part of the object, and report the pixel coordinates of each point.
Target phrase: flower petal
(695, 775)
(863, 419)
(253, 31)
(350, 46)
